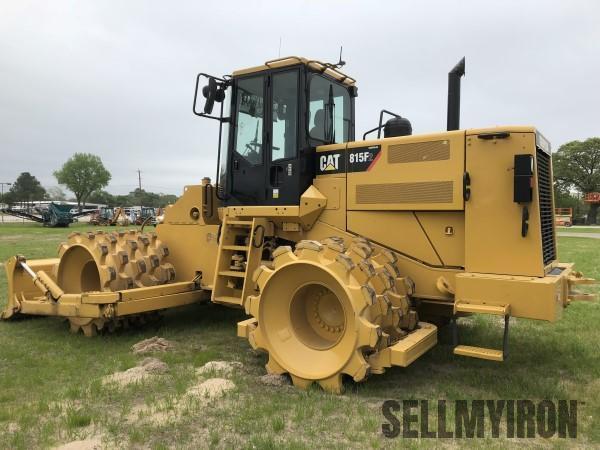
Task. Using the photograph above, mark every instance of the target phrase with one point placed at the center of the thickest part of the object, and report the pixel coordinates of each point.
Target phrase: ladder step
(228, 300)
(479, 352)
(232, 273)
(496, 310)
(239, 223)
(241, 248)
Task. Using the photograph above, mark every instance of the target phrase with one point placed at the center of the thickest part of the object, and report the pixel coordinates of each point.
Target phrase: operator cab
(280, 112)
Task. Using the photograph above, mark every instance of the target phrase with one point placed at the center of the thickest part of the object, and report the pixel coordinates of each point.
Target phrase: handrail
(381, 124)
(272, 61)
(327, 66)
(323, 66)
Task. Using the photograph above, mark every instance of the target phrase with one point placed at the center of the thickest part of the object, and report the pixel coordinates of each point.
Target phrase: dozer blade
(20, 283)
(35, 295)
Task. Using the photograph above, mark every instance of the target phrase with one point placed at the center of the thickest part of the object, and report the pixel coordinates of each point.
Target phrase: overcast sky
(116, 78)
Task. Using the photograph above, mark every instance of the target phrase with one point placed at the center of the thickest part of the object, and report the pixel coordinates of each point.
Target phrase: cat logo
(328, 163)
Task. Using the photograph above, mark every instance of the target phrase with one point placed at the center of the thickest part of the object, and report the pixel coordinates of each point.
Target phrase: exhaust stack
(454, 95)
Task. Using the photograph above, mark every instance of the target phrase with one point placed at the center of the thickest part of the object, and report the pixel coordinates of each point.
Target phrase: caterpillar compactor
(346, 254)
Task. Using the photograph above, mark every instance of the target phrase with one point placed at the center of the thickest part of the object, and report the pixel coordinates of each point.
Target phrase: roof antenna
(279, 55)
(340, 63)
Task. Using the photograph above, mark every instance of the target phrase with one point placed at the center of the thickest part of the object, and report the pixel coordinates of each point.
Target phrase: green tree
(140, 197)
(123, 200)
(166, 199)
(102, 197)
(26, 188)
(134, 198)
(55, 193)
(576, 165)
(83, 174)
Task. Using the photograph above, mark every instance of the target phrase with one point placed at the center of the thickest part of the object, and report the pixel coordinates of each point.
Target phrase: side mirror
(210, 94)
(214, 91)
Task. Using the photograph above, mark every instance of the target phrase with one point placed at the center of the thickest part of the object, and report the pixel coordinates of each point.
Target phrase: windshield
(329, 114)
(249, 119)
(285, 115)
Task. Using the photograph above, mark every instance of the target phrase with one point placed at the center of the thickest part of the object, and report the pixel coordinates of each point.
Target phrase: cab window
(329, 111)
(249, 119)
(285, 115)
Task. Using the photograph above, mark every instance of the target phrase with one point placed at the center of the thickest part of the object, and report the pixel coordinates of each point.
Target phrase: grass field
(578, 229)
(51, 391)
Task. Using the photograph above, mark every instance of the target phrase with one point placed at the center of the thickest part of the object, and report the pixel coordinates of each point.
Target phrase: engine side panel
(493, 220)
(407, 173)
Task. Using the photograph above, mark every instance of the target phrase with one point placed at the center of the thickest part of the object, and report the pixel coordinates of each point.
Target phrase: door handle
(274, 175)
(524, 221)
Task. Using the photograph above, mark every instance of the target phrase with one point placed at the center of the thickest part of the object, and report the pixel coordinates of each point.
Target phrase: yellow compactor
(346, 254)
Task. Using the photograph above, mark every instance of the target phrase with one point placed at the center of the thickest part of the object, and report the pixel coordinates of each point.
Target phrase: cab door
(247, 162)
(284, 168)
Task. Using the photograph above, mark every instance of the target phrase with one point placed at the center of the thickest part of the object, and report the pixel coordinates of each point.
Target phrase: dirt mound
(92, 443)
(153, 344)
(272, 379)
(147, 367)
(221, 367)
(211, 388)
(154, 365)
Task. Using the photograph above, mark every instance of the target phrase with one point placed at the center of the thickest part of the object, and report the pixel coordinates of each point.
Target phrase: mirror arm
(223, 83)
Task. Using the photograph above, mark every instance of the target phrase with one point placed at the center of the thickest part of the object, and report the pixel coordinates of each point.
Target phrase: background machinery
(147, 215)
(563, 217)
(50, 215)
(592, 199)
(107, 216)
(344, 253)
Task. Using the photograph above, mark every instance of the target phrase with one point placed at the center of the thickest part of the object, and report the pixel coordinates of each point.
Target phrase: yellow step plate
(232, 273)
(239, 223)
(582, 297)
(241, 248)
(414, 345)
(228, 300)
(479, 352)
(498, 310)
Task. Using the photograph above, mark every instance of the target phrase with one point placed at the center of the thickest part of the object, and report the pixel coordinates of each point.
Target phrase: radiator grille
(419, 152)
(419, 192)
(546, 210)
